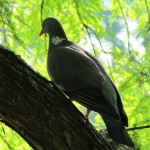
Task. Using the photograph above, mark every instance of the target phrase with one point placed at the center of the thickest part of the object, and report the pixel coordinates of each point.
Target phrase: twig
(111, 73)
(127, 81)
(45, 43)
(42, 4)
(76, 6)
(87, 27)
(4, 31)
(147, 10)
(6, 142)
(98, 40)
(126, 24)
(138, 128)
(90, 40)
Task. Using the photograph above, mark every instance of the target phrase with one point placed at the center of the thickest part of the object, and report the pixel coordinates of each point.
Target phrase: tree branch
(138, 128)
(6, 142)
(90, 40)
(87, 27)
(42, 4)
(126, 24)
(147, 11)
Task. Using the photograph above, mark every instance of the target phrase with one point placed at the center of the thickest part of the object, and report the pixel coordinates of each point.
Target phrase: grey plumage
(82, 77)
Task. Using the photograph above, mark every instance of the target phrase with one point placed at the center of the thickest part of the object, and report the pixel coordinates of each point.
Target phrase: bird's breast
(64, 73)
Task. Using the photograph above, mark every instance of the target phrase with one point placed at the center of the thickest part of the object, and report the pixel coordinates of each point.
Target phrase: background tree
(117, 32)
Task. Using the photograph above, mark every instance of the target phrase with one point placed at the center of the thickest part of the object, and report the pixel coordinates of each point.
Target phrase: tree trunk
(33, 107)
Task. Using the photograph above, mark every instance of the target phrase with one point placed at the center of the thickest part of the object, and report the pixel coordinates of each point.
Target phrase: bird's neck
(57, 32)
(56, 40)
(57, 36)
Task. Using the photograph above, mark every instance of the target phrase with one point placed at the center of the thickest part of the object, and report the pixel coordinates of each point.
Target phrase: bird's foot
(87, 116)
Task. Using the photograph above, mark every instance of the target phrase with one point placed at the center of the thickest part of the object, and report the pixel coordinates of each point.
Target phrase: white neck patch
(57, 40)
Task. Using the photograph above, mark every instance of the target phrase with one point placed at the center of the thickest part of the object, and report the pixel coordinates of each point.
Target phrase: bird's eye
(43, 25)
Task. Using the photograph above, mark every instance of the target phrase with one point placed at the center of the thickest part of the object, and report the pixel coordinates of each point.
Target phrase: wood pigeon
(81, 76)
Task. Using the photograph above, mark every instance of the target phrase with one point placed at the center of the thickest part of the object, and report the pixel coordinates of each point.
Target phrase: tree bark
(33, 107)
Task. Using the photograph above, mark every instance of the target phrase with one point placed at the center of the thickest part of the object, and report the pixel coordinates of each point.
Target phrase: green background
(118, 34)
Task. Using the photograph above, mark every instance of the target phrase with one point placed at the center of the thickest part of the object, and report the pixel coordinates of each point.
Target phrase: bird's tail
(117, 131)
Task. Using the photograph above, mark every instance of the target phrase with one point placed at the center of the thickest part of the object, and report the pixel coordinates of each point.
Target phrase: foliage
(9, 139)
(116, 31)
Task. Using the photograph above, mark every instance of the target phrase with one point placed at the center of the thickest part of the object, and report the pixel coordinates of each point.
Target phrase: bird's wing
(94, 100)
(119, 103)
(92, 88)
(72, 69)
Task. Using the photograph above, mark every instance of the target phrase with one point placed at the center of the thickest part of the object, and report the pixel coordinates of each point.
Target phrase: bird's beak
(42, 32)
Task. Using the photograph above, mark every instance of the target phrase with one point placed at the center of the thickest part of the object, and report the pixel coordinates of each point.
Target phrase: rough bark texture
(39, 112)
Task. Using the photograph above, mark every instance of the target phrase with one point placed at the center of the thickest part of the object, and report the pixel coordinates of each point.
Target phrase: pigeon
(82, 78)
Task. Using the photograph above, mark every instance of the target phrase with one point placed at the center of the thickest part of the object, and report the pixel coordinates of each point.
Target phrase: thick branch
(39, 112)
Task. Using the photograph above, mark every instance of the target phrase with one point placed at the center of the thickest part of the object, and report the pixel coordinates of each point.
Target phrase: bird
(82, 77)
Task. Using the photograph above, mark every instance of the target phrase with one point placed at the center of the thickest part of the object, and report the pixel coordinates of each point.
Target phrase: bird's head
(53, 28)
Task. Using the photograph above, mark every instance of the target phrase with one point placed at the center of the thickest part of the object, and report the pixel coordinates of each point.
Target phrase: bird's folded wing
(93, 99)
